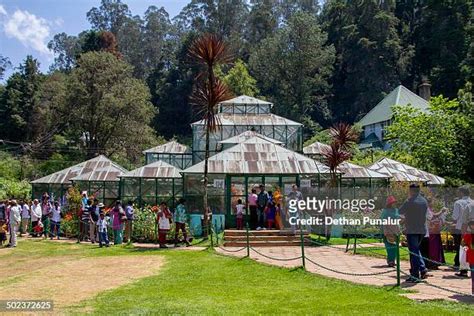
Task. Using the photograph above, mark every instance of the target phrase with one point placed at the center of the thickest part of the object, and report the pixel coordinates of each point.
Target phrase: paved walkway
(331, 260)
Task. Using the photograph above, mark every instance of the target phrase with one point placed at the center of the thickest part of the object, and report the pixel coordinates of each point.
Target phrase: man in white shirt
(460, 206)
(25, 217)
(36, 214)
(15, 220)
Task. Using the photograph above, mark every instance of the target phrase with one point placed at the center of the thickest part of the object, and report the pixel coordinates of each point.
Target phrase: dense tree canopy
(319, 62)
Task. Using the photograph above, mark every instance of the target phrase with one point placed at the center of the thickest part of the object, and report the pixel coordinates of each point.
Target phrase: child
(3, 232)
(240, 214)
(468, 241)
(390, 232)
(102, 229)
(270, 210)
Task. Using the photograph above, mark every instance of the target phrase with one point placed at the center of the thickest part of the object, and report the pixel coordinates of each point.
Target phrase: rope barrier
(273, 258)
(349, 273)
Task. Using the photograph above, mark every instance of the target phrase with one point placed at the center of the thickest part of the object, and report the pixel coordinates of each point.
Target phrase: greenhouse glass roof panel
(316, 148)
(158, 169)
(99, 168)
(401, 167)
(227, 119)
(172, 147)
(351, 171)
(249, 135)
(259, 157)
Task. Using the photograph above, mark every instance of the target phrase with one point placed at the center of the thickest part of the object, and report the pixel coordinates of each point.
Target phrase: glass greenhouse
(98, 174)
(152, 184)
(244, 114)
(101, 180)
(316, 150)
(174, 153)
(402, 172)
(361, 182)
(235, 171)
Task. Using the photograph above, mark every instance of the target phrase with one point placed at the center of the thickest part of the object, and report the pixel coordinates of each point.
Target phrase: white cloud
(29, 29)
(2, 10)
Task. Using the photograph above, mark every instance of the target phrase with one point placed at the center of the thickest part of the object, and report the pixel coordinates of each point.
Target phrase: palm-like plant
(209, 51)
(344, 136)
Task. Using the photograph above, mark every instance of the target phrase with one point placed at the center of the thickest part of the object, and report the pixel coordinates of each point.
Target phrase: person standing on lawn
(25, 217)
(36, 214)
(390, 232)
(84, 219)
(180, 219)
(460, 206)
(46, 214)
(14, 220)
(262, 201)
(414, 209)
(102, 229)
(55, 221)
(164, 217)
(129, 212)
(252, 205)
(94, 217)
(118, 218)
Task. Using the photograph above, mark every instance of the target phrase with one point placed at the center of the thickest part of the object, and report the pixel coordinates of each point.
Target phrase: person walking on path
(25, 217)
(262, 201)
(180, 219)
(414, 210)
(14, 222)
(56, 221)
(390, 232)
(118, 218)
(252, 206)
(102, 229)
(36, 214)
(129, 212)
(460, 207)
(164, 218)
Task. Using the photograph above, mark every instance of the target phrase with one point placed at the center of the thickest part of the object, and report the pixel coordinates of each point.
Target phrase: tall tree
(18, 101)
(371, 59)
(239, 81)
(110, 108)
(4, 64)
(209, 51)
(110, 16)
(293, 67)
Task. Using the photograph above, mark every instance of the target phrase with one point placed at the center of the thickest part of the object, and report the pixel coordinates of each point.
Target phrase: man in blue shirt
(414, 209)
(180, 219)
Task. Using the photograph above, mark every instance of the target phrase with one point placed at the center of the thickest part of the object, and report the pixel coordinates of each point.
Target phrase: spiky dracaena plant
(209, 51)
(344, 137)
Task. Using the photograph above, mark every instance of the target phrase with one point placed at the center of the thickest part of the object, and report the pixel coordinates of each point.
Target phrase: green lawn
(197, 283)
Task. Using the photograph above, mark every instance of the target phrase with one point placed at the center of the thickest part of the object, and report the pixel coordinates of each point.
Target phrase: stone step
(262, 238)
(294, 243)
(267, 232)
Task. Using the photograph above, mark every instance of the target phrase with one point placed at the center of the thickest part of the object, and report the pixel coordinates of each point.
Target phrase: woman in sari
(435, 223)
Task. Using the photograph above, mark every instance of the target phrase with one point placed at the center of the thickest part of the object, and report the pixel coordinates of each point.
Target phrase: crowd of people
(423, 226)
(36, 218)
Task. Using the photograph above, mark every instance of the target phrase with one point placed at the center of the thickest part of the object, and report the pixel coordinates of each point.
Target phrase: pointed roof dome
(245, 99)
(383, 110)
(248, 135)
(258, 156)
(171, 147)
(316, 148)
(99, 168)
(386, 165)
(158, 169)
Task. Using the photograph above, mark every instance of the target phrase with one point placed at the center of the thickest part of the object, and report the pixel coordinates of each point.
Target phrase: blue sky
(26, 26)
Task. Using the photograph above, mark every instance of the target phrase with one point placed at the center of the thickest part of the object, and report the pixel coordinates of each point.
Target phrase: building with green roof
(376, 120)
